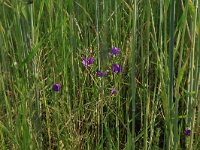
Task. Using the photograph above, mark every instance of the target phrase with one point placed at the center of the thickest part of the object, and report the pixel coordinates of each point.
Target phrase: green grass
(158, 90)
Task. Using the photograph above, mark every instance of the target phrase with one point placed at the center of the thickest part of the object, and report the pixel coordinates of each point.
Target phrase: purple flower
(56, 87)
(88, 61)
(116, 68)
(115, 51)
(187, 132)
(113, 92)
(102, 74)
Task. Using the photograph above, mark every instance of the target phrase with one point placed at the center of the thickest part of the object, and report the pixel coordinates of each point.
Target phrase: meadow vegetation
(99, 74)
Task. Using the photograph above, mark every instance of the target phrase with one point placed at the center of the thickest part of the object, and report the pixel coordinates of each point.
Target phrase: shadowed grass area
(144, 96)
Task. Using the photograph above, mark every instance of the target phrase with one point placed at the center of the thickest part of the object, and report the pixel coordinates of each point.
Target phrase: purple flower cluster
(116, 68)
(101, 73)
(187, 132)
(88, 61)
(56, 87)
(115, 51)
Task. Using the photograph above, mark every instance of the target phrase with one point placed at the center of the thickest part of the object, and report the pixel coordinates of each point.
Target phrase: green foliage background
(43, 42)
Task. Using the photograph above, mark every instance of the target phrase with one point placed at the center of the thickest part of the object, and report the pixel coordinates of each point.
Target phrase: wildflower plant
(88, 61)
(114, 68)
(187, 132)
(56, 87)
(115, 51)
(102, 73)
